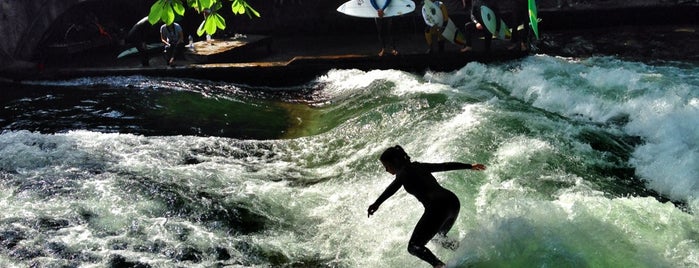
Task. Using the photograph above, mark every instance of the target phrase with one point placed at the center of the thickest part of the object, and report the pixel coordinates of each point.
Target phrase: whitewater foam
(661, 109)
(549, 196)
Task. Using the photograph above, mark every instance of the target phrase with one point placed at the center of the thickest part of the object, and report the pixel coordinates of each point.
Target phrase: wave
(565, 142)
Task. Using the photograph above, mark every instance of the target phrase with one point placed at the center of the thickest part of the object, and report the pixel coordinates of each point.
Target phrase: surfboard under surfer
(441, 205)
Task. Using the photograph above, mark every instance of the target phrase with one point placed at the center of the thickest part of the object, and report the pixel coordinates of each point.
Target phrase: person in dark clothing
(384, 25)
(520, 16)
(475, 27)
(434, 28)
(137, 37)
(441, 205)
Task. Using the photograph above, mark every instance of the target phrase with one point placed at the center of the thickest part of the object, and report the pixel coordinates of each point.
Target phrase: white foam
(313, 192)
(661, 103)
(571, 231)
(342, 83)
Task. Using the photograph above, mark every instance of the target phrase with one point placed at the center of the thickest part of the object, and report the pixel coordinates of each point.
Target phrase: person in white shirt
(172, 36)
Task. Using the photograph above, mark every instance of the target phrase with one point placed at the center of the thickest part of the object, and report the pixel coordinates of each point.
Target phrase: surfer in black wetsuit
(441, 205)
(434, 28)
(475, 27)
(519, 16)
(137, 37)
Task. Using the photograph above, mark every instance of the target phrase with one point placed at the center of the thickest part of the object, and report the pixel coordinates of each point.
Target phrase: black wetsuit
(384, 26)
(138, 35)
(441, 205)
(475, 13)
(519, 15)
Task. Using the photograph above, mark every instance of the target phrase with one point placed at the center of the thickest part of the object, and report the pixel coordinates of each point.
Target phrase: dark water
(150, 106)
(163, 172)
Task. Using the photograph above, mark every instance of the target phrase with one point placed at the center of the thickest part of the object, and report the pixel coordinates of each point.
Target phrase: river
(591, 162)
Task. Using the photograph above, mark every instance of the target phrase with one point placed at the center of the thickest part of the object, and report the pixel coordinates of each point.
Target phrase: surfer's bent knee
(415, 249)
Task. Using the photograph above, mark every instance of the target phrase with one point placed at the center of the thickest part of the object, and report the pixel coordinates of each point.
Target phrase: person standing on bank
(137, 37)
(441, 205)
(386, 32)
(520, 16)
(434, 28)
(172, 36)
(475, 27)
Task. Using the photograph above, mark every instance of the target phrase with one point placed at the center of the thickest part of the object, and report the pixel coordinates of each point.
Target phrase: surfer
(520, 16)
(172, 36)
(137, 37)
(438, 22)
(476, 23)
(386, 22)
(441, 205)
(433, 28)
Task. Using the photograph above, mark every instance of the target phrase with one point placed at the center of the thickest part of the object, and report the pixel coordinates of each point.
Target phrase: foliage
(167, 10)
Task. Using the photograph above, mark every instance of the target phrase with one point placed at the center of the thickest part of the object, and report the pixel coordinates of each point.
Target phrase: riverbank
(644, 33)
(288, 61)
(308, 56)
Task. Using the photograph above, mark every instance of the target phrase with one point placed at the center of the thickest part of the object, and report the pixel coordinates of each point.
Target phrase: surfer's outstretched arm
(438, 167)
(390, 190)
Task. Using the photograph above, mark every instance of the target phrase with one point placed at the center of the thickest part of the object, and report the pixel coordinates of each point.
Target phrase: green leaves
(178, 8)
(240, 7)
(201, 5)
(206, 3)
(167, 10)
(156, 11)
(211, 23)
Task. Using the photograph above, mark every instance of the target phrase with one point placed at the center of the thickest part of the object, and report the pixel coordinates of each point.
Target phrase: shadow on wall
(31, 25)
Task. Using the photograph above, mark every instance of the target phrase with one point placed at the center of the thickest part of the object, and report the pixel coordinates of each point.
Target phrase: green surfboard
(533, 18)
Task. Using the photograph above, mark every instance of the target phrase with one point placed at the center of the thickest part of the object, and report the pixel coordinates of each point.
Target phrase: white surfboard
(364, 9)
(433, 16)
(490, 20)
(133, 50)
(453, 35)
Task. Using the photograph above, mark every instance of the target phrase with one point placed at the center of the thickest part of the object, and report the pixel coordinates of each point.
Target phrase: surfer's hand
(380, 11)
(373, 208)
(478, 167)
(479, 26)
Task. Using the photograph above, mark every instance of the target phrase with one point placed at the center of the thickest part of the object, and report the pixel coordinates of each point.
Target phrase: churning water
(591, 163)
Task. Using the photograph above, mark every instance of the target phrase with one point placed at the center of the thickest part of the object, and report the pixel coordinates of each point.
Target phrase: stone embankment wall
(28, 23)
(23, 24)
